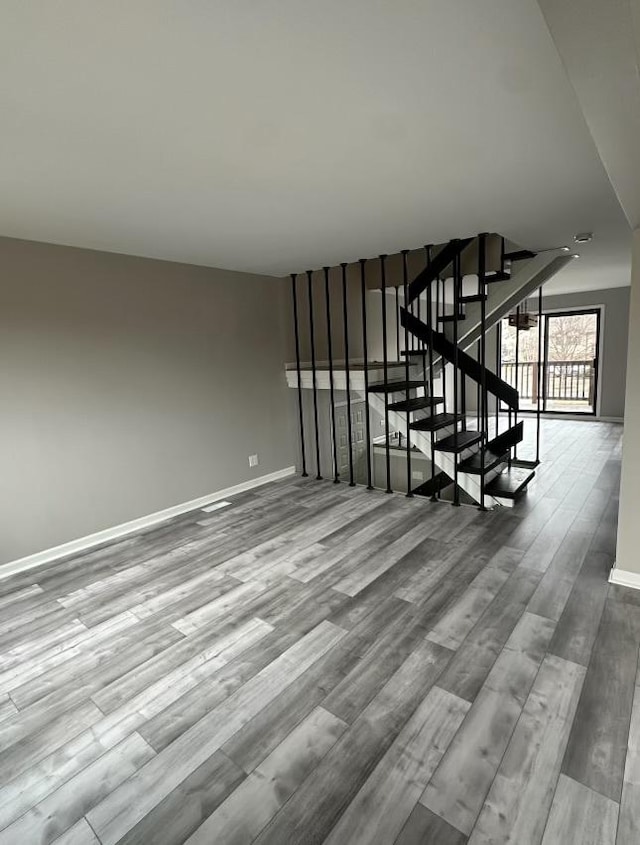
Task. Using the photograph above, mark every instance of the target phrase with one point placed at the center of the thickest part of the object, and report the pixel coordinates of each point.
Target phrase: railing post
(345, 320)
(456, 375)
(515, 413)
(297, 340)
(385, 358)
(313, 370)
(407, 368)
(482, 269)
(336, 479)
(363, 291)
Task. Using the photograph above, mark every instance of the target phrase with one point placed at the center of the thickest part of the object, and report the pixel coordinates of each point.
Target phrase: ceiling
(280, 135)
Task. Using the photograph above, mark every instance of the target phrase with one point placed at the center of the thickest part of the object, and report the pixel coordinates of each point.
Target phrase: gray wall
(129, 385)
(615, 335)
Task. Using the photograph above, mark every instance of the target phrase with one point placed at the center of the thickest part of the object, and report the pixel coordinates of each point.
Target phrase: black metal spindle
(363, 292)
(518, 380)
(498, 370)
(407, 366)
(327, 297)
(456, 276)
(484, 413)
(345, 320)
(383, 297)
(397, 322)
(296, 329)
(440, 308)
(313, 370)
(429, 309)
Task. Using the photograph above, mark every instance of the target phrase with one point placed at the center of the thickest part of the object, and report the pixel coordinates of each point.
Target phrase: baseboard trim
(624, 578)
(100, 537)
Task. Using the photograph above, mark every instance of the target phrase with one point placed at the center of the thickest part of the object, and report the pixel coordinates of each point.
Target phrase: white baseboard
(624, 578)
(84, 543)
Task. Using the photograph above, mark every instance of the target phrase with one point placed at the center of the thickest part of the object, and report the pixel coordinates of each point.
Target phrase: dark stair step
(435, 422)
(509, 438)
(510, 484)
(449, 318)
(433, 486)
(458, 443)
(417, 404)
(395, 386)
(497, 277)
(474, 297)
(520, 255)
(473, 464)
(526, 464)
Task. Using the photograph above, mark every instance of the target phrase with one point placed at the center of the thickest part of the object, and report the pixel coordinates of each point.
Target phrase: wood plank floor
(316, 663)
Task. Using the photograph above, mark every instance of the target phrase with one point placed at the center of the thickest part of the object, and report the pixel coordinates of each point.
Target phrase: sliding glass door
(567, 378)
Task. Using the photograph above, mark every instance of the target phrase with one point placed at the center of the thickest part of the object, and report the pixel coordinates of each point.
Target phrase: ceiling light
(565, 248)
(583, 237)
(576, 255)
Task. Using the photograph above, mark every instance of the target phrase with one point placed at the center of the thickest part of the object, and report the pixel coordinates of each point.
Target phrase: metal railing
(573, 381)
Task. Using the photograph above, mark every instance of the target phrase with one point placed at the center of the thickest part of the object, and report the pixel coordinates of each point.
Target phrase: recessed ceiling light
(576, 255)
(583, 237)
(565, 248)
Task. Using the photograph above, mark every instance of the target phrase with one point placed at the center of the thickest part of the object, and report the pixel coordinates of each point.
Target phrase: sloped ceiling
(287, 134)
(599, 43)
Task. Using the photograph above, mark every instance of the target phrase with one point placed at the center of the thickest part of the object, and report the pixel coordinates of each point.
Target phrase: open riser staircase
(421, 388)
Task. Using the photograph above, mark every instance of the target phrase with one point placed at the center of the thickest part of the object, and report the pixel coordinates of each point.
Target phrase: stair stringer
(503, 297)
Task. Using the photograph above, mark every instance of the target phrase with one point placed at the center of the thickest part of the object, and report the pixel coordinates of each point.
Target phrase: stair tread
(434, 422)
(473, 464)
(497, 277)
(509, 483)
(474, 297)
(433, 485)
(458, 443)
(520, 255)
(395, 386)
(416, 404)
(506, 439)
(449, 318)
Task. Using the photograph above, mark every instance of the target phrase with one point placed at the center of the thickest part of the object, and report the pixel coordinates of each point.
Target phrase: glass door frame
(564, 312)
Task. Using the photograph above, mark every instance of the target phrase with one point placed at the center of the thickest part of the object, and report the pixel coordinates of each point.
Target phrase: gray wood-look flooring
(316, 663)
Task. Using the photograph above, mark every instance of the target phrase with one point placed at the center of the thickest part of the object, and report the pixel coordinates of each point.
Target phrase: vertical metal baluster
(484, 414)
(456, 274)
(499, 371)
(397, 322)
(538, 403)
(518, 379)
(385, 359)
(345, 320)
(363, 291)
(435, 327)
(313, 369)
(327, 297)
(297, 337)
(407, 365)
(429, 309)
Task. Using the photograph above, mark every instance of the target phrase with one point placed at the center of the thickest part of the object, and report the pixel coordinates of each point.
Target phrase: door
(566, 343)
(570, 375)
(358, 444)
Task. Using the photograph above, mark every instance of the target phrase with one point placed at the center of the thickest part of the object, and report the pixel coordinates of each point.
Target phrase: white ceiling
(279, 135)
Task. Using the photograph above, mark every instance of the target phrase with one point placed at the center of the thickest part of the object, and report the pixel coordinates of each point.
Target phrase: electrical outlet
(253, 460)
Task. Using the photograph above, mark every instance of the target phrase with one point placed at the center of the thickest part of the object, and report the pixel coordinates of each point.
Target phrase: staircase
(424, 394)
